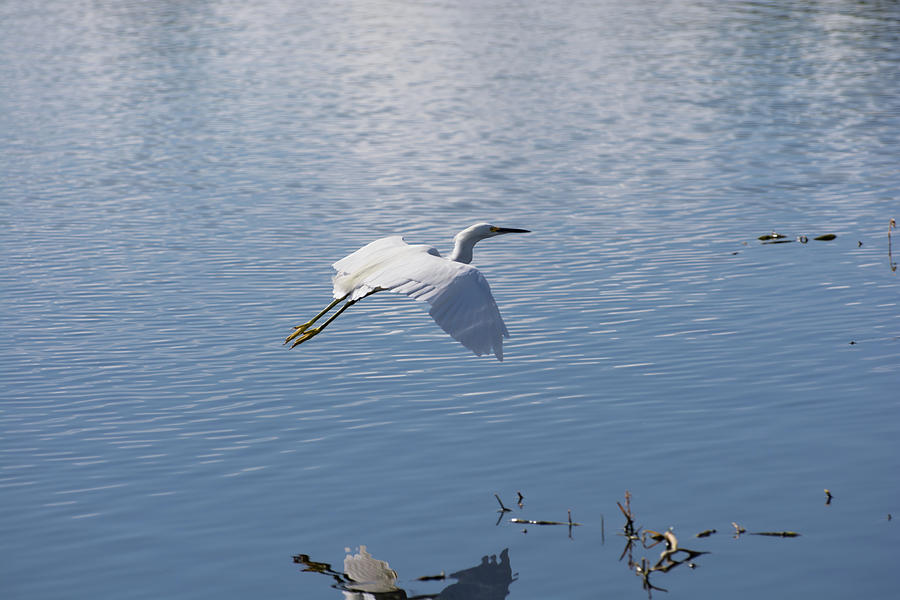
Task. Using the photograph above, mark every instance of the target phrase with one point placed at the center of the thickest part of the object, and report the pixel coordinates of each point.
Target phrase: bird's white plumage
(460, 297)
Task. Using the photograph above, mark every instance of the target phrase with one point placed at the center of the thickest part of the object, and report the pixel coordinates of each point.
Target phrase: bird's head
(466, 239)
(481, 231)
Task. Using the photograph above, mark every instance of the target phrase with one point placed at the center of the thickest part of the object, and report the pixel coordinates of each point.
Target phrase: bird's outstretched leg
(299, 329)
(303, 332)
(308, 333)
(305, 326)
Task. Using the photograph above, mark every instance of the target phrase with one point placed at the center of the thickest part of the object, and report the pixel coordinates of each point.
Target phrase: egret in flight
(460, 297)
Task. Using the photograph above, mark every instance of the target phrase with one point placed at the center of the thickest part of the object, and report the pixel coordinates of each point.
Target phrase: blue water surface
(178, 178)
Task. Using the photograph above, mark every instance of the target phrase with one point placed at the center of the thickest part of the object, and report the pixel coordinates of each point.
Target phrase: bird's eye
(494, 229)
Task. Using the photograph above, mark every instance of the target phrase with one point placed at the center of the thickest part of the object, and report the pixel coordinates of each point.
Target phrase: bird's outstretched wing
(460, 297)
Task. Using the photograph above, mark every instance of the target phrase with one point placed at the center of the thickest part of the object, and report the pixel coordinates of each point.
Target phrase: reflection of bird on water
(488, 581)
(367, 578)
(460, 297)
(370, 578)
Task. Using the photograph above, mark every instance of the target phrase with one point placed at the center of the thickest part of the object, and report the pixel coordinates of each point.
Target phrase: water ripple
(178, 180)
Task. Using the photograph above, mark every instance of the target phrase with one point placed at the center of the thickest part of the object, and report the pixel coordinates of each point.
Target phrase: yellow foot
(306, 335)
(298, 329)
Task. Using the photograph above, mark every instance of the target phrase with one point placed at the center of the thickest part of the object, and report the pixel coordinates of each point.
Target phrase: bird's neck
(462, 249)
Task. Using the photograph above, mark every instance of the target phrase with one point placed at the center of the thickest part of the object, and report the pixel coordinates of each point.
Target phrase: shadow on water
(368, 577)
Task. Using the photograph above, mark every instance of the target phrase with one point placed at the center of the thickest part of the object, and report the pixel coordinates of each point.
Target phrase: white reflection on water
(367, 577)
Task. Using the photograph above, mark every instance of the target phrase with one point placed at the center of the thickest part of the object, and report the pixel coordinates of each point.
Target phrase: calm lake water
(178, 178)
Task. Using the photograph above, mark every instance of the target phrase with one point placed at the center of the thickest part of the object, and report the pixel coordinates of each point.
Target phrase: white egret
(460, 297)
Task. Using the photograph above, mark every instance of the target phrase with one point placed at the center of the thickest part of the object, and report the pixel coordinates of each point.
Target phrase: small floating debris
(738, 531)
(828, 495)
(706, 533)
(311, 565)
(570, 522)
(534, 522)
(780, 238)
(637, 538)
(670, 558)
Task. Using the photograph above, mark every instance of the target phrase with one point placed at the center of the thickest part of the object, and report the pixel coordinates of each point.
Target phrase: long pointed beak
(511, 230)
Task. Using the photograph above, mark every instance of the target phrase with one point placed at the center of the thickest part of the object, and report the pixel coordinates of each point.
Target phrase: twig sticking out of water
(503, 509)
(602, 530)
(628, 530)
(643, 571)
(738, 531)
(626, 510)
(671, 557)
(828, 497)
(521, 499)
(536, 522)
(570, 522)
(891, 225)
(666, 559)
